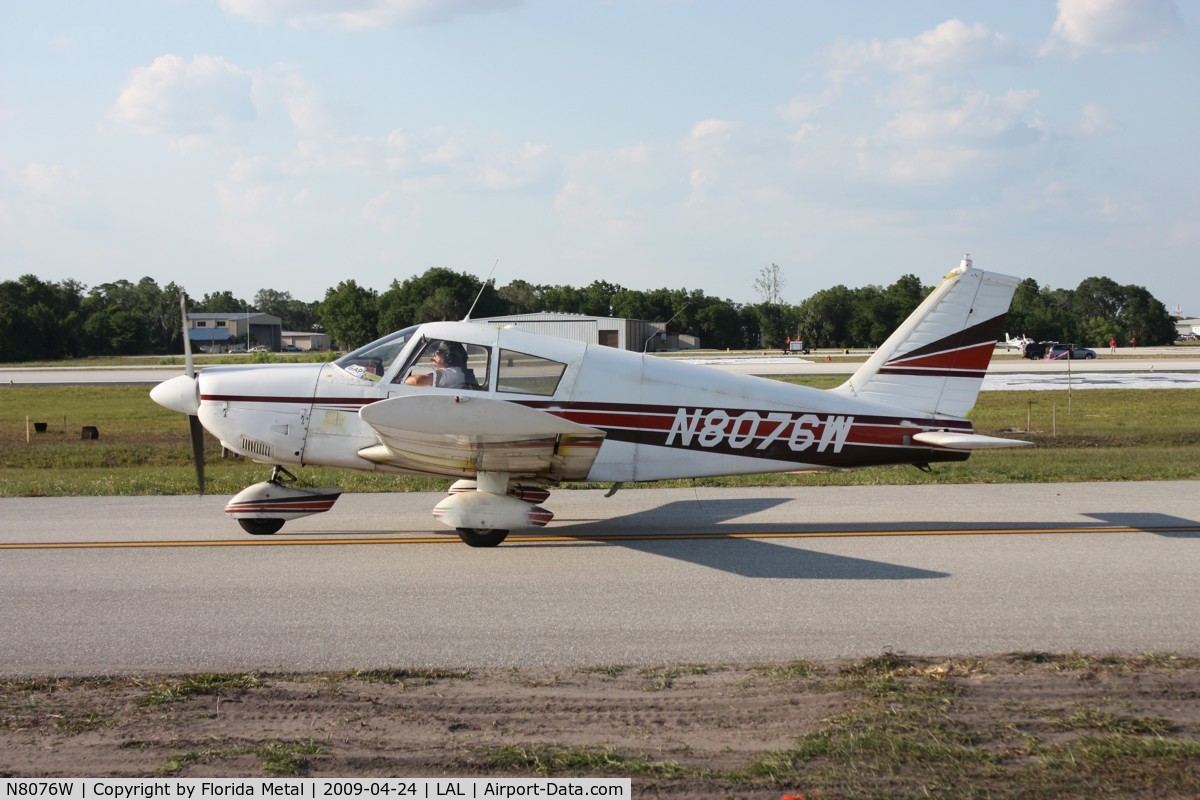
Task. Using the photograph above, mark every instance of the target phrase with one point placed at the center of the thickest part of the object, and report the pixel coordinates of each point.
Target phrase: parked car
(1036, 350)
(1071, 351)
(289, 348)
(260, 348)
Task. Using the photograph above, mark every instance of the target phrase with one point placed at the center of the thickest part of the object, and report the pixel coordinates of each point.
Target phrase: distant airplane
(1017, 343)
(507, 412)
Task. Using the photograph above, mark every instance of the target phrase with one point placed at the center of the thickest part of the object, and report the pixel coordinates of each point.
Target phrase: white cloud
(450, 151)
(966, 136)
(258, 209)
(532, 165)
(188, 102)
(952, 45)
(393, 211)
(723, 153)
(396, 155)
(357, 15)
(46, 205)
(1127, 208)
(979, 118)
(609, 197)
(53, 182)
(916, 119)
(241, 201)
(305, 106)
(239, 193)
(1109, 26)
(1096, 121)
(979, 134)
(805, 107)
(711, 130)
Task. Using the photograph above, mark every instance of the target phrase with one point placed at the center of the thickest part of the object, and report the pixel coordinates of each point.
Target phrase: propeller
(182, 394)
(197, 429)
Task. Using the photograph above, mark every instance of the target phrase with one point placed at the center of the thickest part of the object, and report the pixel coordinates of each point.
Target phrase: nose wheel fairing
(262, 509)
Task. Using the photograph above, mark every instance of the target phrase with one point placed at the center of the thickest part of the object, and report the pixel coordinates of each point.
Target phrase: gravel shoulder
(1013, 725)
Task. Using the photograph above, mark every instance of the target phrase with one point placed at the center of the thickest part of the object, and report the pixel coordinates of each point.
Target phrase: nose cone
(180, 394)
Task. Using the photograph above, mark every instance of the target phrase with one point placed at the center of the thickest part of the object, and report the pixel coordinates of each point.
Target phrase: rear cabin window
(521, 373)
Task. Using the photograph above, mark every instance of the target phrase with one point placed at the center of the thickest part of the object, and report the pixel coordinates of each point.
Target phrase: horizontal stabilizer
(954, 440)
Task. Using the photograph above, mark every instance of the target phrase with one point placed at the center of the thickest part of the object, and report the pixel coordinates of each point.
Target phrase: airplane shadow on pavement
(750, 558)
(1163, 525)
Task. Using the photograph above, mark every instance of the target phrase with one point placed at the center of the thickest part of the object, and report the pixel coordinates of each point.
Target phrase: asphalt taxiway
(154, 584)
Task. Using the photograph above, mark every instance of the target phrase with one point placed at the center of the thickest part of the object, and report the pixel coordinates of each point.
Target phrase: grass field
(1092, 435)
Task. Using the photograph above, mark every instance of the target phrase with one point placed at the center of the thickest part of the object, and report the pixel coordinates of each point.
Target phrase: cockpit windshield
(371, 361)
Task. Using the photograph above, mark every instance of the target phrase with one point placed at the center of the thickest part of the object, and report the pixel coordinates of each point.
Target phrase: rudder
(935, 361)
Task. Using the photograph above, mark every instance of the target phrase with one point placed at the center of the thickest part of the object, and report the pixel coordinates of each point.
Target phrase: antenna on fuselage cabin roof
(486, 281)
(646, 345)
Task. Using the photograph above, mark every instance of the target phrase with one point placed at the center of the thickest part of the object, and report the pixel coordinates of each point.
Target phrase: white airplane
(530, 411)
(1017, 343)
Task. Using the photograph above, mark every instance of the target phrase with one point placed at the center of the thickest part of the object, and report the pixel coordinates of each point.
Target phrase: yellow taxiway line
(613, 537)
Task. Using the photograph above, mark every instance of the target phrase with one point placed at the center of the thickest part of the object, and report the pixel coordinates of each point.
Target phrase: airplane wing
(460, 436)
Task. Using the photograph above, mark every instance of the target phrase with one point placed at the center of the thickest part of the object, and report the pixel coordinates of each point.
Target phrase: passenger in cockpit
(449, 368)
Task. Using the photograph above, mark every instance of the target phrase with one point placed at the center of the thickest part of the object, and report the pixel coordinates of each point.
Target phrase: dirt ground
(1016, 725)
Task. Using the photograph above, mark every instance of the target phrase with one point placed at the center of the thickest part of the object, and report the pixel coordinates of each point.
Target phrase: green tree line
(47, 320)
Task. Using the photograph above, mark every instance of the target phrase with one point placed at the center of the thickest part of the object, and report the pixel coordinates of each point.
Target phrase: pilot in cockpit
(449, 368)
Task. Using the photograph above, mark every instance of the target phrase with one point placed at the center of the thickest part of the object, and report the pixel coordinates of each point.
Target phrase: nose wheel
(260, 527)
(478, 537)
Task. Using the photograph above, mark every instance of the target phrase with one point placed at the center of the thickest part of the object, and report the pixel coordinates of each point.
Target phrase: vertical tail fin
(935, 361)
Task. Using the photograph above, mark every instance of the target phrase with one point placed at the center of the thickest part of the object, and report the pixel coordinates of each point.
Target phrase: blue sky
(291, 144)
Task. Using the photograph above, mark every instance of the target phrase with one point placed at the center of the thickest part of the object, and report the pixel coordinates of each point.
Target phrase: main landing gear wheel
(481, 537)
(262, 527)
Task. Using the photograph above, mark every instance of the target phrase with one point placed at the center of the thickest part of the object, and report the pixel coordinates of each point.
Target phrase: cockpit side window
(478, 363)
(449, 365)
(370, 362)
(522, 373)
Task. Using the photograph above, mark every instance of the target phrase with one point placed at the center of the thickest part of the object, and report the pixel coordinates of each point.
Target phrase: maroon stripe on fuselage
(651, 417)
(320, 401)
(802, 437)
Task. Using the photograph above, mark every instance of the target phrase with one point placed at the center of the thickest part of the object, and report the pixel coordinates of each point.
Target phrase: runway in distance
(508, 413)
